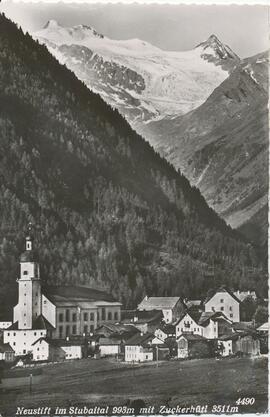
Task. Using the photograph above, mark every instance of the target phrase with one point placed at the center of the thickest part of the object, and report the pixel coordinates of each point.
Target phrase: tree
(261, 315)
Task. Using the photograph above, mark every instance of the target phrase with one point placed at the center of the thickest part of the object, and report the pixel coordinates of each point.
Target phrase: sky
(171, 27)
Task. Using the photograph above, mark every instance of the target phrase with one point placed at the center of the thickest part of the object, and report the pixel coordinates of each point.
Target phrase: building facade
(226, 302)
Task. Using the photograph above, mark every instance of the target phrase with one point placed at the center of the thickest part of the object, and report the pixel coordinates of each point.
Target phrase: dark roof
(140, 317)
(243, 326)
(140, 339)
(235, 336)
(117, 328)
(29, 256)
(213, 315)
(191, 336)
(168, 328)
(14, 326)
(109, 341)
(5, 347)
(223, 289)
(60, 342)
(41, 323)
(73, 292)
(195, 315)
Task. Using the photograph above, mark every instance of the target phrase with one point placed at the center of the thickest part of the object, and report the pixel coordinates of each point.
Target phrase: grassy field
(107, 382)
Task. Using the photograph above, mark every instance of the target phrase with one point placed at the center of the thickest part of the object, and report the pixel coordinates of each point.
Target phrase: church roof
(41, 323)
(61, 294)
(29, 256)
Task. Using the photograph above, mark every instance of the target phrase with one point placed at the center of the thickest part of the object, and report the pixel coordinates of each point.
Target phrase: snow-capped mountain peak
(58, 34)
(143, 81)
(51, 24)
(214, 49)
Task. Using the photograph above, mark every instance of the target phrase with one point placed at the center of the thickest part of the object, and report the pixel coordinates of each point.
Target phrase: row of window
(87, 316)
(72, 330)
(35, 333)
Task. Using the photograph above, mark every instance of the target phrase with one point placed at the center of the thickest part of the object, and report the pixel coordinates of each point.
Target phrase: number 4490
(245, 401)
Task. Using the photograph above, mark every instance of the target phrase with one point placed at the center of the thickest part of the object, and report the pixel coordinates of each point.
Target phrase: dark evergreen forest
(107, 210)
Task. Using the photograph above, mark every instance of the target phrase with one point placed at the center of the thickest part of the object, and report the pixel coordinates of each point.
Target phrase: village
(68, 323)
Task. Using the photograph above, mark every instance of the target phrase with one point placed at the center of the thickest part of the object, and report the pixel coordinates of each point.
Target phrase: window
(74, 317)
(24, 351)
(67, 331)
(213, 308)
(231, 315)
(74, 329)
(92, 316)
(61, 317)
(14, 334)
(103, 314)
(14, 343)
(60, 331)
(85, 316)
(92, 328)
(25, 273)
(67, 315)
(222, 308)
(85, 329)
(116, 315)
(109, 315)
(222, 300)
(230, 308)
(97, 315)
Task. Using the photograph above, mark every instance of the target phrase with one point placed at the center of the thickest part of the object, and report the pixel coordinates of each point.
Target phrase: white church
(61, 313)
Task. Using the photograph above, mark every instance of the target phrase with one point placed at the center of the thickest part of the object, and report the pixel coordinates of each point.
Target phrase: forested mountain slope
(109, 212)
(222, 147)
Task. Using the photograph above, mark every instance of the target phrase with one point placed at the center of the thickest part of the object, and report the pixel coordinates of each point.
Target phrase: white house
(171, 307)
(189, 323)
(109, 346)
(139, 348)
(165, 331)
(225, 301)
(215, 324)
(45, 349)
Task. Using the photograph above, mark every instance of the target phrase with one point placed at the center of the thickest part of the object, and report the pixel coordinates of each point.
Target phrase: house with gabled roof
(192, 346)
(45, 349)
(7, 353)
(165, 330)
(171, 307)
(215, 324)
(225, 301)
(145, 321)
(244, 343)
(189, 323)
(139, 348)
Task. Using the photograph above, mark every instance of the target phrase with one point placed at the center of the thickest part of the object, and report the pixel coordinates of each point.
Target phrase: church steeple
(29, 238)
(29, 303)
